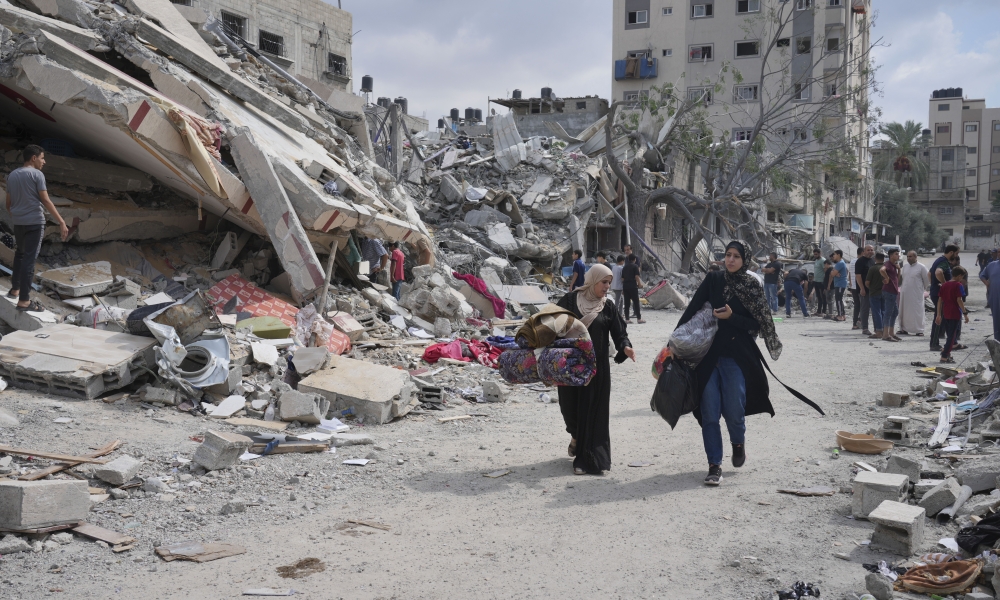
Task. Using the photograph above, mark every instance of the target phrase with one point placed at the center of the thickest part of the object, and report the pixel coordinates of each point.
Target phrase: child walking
(951, 309)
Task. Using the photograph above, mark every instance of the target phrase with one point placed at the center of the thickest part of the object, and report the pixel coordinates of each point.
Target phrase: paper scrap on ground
(358, 462)
(268, 592)
(419, 333)
(249, 456)
(315, 436)
(640, 463)
(949, 543)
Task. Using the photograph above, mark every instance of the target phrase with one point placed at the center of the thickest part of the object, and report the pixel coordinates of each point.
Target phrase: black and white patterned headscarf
(745, 287)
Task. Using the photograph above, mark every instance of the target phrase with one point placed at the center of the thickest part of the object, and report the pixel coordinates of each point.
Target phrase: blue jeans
(890, 309)
(725, 395)
(794, 288)
(877, 307)
(395, 289)
(771, 293)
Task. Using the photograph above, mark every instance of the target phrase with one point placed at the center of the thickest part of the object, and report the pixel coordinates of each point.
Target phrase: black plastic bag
(986, 531)
(675, 392)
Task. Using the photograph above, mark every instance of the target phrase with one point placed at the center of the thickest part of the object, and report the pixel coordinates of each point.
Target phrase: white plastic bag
(691, 341)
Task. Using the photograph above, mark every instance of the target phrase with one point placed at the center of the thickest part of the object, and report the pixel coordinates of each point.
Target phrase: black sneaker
(739, 455)
(714, 475)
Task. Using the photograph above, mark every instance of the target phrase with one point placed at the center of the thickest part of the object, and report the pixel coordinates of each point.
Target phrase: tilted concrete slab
(90, 173)
(23, 21)
(76, 12)
(283, 225)
(367, 388)
(170, 19)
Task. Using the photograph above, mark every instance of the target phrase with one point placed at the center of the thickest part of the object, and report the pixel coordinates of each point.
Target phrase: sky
(443, 54)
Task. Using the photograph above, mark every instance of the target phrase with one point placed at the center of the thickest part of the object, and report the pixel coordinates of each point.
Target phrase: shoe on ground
(714, 476)
(866, 332)
(640, 321)
(739, 455)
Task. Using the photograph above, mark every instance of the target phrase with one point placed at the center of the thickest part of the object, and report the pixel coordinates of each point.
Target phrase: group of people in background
(887, 290)
(625, 282)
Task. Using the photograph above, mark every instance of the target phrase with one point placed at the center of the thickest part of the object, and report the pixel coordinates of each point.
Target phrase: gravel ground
(537, 532)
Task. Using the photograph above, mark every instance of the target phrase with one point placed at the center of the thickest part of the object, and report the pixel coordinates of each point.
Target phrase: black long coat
(732, 340)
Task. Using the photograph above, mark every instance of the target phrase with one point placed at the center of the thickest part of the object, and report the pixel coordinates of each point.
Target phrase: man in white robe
(911, 295)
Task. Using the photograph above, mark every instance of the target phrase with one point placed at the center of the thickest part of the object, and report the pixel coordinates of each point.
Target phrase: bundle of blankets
(552, 347)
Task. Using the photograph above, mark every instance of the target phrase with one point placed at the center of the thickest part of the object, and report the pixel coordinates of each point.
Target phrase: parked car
(887, 247)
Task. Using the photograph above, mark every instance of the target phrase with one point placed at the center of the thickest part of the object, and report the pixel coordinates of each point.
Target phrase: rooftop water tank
(367, 83)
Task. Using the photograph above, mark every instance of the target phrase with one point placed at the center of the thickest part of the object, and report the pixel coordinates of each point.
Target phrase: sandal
(891, 339)
(640, 321)
(579, 471)
(11, 294)
(903, 333)
(896, 339)
(947, 359)
(960, 347)
(572, 448)
(920, 334)
(32, 306)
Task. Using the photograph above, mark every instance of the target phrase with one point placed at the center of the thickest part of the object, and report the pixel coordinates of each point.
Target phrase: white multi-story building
(821, 51)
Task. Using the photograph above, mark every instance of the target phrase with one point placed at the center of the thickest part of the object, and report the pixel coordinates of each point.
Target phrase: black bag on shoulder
(675, 392)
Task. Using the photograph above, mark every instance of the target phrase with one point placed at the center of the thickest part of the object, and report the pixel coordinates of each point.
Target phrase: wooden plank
(458, 418)
(52, 455)
(105, 535)
(292, 447)
(40, 529)
(56, 468)
(371, 524)
(246, 422)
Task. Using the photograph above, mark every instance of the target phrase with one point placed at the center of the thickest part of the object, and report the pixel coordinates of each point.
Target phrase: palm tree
(901, 158)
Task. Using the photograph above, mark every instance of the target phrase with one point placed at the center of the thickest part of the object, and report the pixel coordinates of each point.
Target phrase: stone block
(871, 489)
(923, 486)
(367, 388)
(904, 466)
(879, 585)
(351, 439)
(893, 399)
(899, 528)
(979, 506)
(452, 190)
(494, 392)
(310, 360)
(978, 596)
(37, 504)
(119, 471)
(220, 450)
(941, 497)
(979, 474)
(11, 544)
(305, 408)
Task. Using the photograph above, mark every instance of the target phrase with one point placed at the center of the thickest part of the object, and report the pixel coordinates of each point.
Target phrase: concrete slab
(367, 388)
(79, 280)
(228, 407)
(94, 174)
(38, 504)
(904, 466)
(310, 360)
(871, 489)
(20, 320)
(941, 496)
(169, 17)
(220, 450)
(23, 21)
(899, 528)
(74, 361)
(293, 247)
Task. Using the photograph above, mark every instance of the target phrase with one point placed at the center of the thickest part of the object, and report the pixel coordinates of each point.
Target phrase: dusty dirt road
(537, 532)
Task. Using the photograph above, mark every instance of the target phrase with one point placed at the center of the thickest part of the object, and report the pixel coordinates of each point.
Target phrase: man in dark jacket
(796, 281)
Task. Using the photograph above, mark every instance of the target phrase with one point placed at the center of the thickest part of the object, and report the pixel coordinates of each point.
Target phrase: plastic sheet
(691, 341)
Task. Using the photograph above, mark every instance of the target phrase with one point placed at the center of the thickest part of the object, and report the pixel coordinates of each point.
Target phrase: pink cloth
(397, 259)
(465, 351)
(499, 308)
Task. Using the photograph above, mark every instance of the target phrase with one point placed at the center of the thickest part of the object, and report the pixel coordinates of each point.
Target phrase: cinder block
(899, 528)
(904, 466)
(494, 392)
(941, 497)
(119, 471)
(220, 450)
(979, 474)
(923, 486)
(893, 399)
(305, 408)
(37, 504)
(871, 489)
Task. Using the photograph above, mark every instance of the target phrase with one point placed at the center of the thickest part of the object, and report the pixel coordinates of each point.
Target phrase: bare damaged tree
(776, 136)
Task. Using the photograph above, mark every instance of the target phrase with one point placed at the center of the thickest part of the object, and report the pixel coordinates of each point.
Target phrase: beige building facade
(686, 42)
(308, 38)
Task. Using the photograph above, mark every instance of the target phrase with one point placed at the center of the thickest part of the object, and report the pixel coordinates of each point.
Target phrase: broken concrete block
(119, 471)
(442, 327)
(351, 439)
(11, 544)
(233, 382)
(265, 354)
(941, 497)
(367, 388)
(154, 485)
(79, 280)
(494, 392)
(452, 190)
(979, 506)
(38, 504)
(161, 395)
(871, 489)
(346, 323)
(305, 408)
(979, 474)
(310, 360)
(94, 174)
(228, 407)
(501, 237)
(233, 507)
(220, 450)
(899, 528)
(904, 466)
(879, 585)
(923, 486)
(894, 398)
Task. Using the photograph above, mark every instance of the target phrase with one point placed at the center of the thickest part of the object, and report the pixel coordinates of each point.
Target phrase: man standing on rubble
(397, 274)
(940, 273)
(374, 252)
(27, 195)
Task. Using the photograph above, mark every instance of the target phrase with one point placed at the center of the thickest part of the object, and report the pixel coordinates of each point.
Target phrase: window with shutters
(234, 24)
(271, 43)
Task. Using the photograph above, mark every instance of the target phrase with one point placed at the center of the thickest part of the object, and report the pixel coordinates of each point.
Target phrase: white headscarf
(587, 301)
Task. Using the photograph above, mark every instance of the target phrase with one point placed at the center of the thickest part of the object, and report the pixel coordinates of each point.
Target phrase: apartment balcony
(640, 67)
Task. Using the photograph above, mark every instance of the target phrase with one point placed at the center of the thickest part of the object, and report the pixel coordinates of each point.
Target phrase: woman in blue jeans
(731, 381)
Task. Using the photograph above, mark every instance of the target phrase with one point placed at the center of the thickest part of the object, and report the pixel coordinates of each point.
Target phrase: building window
(970, 193)
(944, 107)
(697, 53)
(799, 135)
(271, 43)
(947, 154)
(744, 49)
(638, 54)
(747, 6)
(638, 17)
(234, 24)
(833, 44)
(835, 3)
(996, 149)
(947, 182)
(982, 232)
(668, 52)
(336, 65)
(700, 11)
(783, 43)
(801, 91)
(581, 105)
(183, 2)
(633, 97)
(668, 10)
(742, 135)
(996, 171)
(703, 95)
(944, 128)
(803, 45)
(970, 172)
(996, 127)
(972, 127)
(970, 150)
(745, 93)
(803, 4)
(946, 210)
(830, 90)
(659, 226)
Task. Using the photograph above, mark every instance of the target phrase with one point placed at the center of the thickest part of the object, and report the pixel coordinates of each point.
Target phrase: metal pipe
(948, 513)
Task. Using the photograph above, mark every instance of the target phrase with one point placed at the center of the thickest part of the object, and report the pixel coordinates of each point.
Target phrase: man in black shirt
(862, 300)
(771, 271)
(630, 287)
(795, 279)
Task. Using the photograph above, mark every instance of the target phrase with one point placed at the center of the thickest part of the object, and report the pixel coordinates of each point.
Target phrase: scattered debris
(198, 551)
(302, 568)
